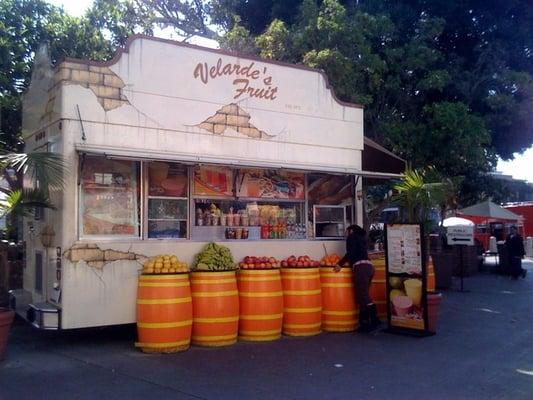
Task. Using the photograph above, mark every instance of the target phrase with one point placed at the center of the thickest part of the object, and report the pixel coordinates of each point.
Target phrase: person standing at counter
(357, 256)
(515, 248)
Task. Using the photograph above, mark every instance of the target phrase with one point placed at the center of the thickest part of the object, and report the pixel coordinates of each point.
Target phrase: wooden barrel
(302, 301)
(378, 288)
(261, 305)
(339, 310)
(215, 302)
(164, 313)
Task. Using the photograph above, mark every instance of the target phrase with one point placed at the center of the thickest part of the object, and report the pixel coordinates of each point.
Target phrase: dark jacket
(515, 246)
(356, 249)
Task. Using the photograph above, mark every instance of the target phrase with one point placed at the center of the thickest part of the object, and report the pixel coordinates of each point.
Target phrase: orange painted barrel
(302, 301)
(164, 313)
(215, 301)
(261, 305)
(378, 288)
(339, 310)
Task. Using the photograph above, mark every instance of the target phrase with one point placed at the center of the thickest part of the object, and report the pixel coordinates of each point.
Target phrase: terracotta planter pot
(6, 318)
(434, 300)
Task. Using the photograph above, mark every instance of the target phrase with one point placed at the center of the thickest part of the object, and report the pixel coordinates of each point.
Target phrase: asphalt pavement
(483, 350)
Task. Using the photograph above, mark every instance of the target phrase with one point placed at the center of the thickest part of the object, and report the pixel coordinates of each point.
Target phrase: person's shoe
(364, 322)
(373, 317)
(524, 273)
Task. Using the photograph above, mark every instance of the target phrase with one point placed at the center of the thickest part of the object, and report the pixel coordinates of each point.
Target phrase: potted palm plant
(25, 187)
(418, 193)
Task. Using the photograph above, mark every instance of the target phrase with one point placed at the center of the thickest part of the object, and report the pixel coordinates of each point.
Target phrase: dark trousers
(515, 266)
(363, 274)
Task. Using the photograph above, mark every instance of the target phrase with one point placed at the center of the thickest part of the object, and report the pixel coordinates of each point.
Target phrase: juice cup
(413, 289)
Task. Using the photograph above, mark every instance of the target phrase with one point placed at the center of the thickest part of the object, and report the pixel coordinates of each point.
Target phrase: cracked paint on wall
(102, 81)
(234, 117)
(98, 258)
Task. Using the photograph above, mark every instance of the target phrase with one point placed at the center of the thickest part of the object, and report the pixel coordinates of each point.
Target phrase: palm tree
(29, 178)
(420, 191)
(27, 182)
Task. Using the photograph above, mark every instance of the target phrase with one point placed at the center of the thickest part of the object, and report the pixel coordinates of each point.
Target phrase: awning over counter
(379, 163)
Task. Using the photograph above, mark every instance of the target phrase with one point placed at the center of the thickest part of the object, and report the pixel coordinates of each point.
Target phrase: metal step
(41, 315)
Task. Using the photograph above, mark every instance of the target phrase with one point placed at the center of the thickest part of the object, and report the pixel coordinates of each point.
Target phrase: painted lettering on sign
(250, 80)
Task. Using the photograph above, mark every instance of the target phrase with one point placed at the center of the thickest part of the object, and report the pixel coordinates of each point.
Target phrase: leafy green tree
(238, 39)
(24, 26)
(275, 43)
(446, 83)
(447, 136)
(443, 83)
(119, 19)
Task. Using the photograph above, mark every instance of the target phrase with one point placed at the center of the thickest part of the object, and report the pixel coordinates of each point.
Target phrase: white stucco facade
(149, 104)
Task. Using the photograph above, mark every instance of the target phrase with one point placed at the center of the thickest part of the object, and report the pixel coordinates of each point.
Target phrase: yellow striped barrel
(378, 288)
(302, 301)
(215, 301)
(339, 311)
(261, 305)
(164, 313)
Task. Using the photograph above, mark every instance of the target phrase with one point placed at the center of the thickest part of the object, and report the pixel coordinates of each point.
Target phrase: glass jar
(229, 219)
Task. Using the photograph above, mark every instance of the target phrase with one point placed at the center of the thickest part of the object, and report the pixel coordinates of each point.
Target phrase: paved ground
(484, 350)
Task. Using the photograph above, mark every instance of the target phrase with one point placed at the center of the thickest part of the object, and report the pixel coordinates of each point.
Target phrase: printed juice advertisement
(271, 184)
(407, 309)
(213, 181)
(109, 197)
(167, 179)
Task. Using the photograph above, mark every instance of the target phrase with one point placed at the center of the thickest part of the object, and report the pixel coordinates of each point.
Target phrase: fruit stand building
(170, 146)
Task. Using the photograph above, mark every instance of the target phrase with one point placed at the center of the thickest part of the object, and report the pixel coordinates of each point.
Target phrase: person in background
(357, 256)
(515, 249)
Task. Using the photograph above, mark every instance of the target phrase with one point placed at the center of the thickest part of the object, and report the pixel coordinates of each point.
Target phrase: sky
(520, 168)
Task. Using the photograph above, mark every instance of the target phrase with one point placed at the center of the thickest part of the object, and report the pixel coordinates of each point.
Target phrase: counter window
(268, 204)
(167, 200)
(330, 204)
(220, 219)
(109, 197)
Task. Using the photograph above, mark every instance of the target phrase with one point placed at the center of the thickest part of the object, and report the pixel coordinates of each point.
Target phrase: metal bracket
(83, 137)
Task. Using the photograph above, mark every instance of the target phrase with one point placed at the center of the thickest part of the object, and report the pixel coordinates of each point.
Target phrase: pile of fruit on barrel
(164, 264)
(257, 299)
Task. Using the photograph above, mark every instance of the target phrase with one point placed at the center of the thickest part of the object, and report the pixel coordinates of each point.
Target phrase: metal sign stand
(461, 236)
(462, 270)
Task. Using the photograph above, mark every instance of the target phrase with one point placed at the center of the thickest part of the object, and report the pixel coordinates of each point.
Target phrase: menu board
(213, 181)
(403, 249)
(271, 184)
(406, 278)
